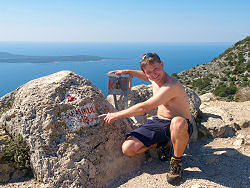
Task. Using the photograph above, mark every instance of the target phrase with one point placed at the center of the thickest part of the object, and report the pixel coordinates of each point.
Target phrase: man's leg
(179, 137)
(132, 146)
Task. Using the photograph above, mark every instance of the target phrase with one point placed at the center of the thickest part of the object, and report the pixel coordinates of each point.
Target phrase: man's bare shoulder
(172, 82)
(172, 86)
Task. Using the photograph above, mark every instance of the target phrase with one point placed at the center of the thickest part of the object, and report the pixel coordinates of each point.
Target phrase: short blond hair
(149, 59)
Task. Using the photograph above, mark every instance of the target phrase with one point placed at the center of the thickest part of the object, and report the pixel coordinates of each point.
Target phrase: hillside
(227, 76)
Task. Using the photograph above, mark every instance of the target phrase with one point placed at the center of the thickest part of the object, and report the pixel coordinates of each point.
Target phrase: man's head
(149, 59)
(152, 67)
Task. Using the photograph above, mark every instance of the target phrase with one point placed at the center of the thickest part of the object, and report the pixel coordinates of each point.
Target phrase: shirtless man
(173, 117)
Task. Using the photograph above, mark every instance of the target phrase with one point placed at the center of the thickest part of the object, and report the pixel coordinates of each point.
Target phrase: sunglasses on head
(147, 56)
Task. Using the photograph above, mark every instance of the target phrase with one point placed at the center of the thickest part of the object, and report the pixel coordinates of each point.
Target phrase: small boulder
(223, 119)
(207, 97)
(194, 101)
(244, 124)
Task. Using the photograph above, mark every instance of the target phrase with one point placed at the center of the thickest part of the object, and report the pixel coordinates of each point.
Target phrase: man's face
(154, 72)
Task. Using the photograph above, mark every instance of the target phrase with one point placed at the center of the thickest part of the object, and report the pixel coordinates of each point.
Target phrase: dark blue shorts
(156, 131)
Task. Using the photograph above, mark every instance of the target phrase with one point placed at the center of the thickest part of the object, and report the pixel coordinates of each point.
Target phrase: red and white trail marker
(71, 97)
(80, 117)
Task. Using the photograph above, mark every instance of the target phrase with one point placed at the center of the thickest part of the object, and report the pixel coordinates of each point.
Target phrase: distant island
(6, 57)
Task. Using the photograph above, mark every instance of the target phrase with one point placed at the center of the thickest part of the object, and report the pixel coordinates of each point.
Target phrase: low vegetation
(17, 151)
(224, 76)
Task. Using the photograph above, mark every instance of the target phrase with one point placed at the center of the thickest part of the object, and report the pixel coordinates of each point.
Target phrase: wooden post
(116, 104)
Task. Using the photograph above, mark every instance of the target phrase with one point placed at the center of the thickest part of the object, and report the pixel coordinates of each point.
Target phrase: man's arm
(165, 94)
(136, 73)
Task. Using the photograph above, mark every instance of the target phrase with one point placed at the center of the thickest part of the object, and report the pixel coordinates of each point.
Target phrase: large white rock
(61, 156)
(220, 117)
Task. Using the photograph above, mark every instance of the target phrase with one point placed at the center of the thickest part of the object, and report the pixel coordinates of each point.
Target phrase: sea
(177, 57)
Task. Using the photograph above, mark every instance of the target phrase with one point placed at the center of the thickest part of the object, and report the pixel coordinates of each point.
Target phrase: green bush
(17, 151)
(214, 59)
(245, 83)
(224, 91)
(239, 69)
(174, 75)
(211, 75)
(202, 83)
(229, 58)
(233, 79)
(227, 50)
(245, 78)
(241, 58)
(223, 79)
(248, 66)
(227, 73)
(229, 98)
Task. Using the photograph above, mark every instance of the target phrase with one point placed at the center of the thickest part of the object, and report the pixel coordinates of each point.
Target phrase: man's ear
(162, 64)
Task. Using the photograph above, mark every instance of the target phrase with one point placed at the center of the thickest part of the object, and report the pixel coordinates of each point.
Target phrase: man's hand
(118, 72)
(109, 118)
(137, 73)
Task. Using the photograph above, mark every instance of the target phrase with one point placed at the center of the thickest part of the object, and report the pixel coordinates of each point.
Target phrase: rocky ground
(216, 162)
(219, 162)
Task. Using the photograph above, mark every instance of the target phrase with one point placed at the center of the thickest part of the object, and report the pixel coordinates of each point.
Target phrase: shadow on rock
(208, 115)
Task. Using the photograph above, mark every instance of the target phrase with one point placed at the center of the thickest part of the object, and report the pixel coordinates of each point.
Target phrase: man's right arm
(136, 73)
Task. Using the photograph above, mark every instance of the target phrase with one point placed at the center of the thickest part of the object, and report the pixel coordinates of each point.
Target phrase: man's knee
(128, 148)
(179, 125)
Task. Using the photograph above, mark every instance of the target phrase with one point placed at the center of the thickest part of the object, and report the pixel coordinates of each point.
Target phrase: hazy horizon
(178, 21)
(107, 42)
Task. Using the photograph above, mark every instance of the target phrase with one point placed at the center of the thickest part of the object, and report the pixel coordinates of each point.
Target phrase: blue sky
(124, 21)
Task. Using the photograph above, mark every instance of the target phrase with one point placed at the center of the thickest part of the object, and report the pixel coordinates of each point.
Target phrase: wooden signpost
(119, 85)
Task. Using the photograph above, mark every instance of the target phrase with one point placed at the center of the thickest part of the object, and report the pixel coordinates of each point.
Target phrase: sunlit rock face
(70, 146)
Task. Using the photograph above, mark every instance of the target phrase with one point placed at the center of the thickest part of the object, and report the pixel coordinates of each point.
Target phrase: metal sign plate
(80, 117)
(119, 84)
